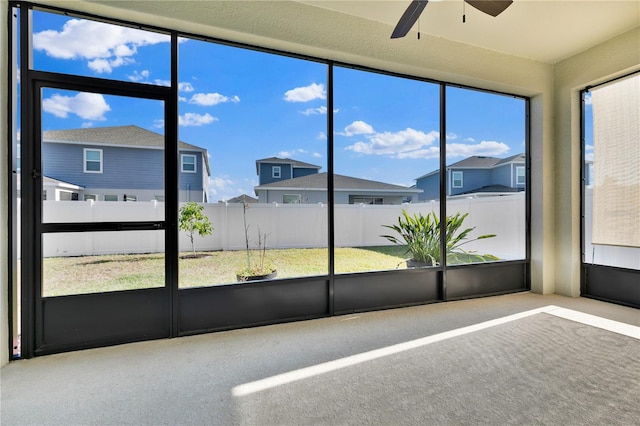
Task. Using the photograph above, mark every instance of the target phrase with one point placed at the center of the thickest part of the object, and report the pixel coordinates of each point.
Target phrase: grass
(94, 274)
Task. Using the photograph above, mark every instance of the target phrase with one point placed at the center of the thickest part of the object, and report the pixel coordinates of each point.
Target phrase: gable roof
(480, 162)
(318, 182)
(113, 135)
(293, 163)
(129, 136)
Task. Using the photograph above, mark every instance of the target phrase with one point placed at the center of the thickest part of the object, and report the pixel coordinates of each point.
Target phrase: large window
(266, 183)
(486, 213)
(263, 178)
(612, 174)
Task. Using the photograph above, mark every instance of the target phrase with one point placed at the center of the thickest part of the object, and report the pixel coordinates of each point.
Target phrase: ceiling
(543, 30)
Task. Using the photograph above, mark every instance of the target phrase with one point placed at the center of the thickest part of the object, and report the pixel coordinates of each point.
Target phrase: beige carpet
(451, 363)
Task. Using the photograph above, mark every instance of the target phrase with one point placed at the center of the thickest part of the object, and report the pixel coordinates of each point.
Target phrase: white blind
(616, 140)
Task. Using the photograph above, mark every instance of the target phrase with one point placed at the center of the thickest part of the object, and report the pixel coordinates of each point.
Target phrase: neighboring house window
(110, 197)
(159, 198)
(291, 199)
(44, 195)
(92, 160)
(366, 200)
(276, 172)
(93, 197)
(456, 178)
(188, 163)
(128, 197)
(520, 177)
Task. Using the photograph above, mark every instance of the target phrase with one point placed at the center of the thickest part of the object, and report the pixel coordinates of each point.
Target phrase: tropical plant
(192, 220)
(421, 235)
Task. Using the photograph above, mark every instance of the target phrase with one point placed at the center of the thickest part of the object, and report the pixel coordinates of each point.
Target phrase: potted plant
(421, 235)
(192, 220)
(257, 266)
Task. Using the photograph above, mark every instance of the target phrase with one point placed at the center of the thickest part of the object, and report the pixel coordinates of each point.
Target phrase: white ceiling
(543, 30)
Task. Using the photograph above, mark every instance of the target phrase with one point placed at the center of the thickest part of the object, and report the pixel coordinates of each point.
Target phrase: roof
(114, 135)
(318, 182)
(130, 135)
(293, 163)
(244, 198)
(493, 188)
(480, 162)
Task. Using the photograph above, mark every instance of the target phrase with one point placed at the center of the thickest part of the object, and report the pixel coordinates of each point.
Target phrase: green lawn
(93, 274)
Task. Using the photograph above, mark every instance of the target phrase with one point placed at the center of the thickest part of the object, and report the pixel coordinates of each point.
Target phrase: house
(478, 175)
(274, 169)
(121, 163)
(348, 190)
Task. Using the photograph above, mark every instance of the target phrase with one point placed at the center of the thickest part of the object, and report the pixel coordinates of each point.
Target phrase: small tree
(192, 220)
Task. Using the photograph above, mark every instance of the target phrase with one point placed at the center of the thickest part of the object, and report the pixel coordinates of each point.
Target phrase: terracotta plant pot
(269, 276)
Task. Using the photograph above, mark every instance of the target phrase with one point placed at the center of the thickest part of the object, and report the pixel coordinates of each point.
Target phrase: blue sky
(243, 105)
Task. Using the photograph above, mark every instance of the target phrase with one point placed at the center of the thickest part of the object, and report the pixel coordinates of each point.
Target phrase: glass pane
(84, 47)
(612, 175)
(486, 182)
(106, 147)
(386, 138)
(260, 182)
(98, 262)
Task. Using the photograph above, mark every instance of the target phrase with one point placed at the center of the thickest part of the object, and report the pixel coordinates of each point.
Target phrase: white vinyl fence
(285, 225)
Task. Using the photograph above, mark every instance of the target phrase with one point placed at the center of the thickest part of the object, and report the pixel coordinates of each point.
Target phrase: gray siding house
(478, 175)
(348, 190)
(122, 163)
(274, 169)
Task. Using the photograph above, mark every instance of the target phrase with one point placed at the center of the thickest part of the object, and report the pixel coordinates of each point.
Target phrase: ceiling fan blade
(408, 18)
(490, 7)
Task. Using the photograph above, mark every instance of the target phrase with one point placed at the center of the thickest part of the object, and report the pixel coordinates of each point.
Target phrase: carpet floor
(500, 361)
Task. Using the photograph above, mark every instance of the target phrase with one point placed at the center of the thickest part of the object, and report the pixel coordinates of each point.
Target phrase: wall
(613, 58)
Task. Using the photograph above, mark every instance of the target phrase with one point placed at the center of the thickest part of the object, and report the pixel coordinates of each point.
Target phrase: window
(128, 197)
(110, 197)
(520, 177)
(92, 160)
(188, 163)
(456, 178)
(276, 172)
(159, 198)
(291, 199)
(92, 197)
(366, 200)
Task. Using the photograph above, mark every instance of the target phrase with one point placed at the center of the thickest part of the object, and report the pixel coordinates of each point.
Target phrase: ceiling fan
(411, 15)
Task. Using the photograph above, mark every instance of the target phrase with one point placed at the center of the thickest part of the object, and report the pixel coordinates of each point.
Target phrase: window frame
(85, 160)
(276, 172)
(297, 196)
(182, 163)
(522, 176)
(453, 179)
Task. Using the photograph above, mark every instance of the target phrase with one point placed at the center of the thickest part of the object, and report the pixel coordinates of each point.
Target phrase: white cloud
(357, 128)
(140, 76)
(89, 106)
(104, 46)
(193, 119)
(394, 143)
(588, 147)
(209, 99)
(317, 155)
(158, 124)
(451, 136)
(315, 111)
(322, 136)
(488, 148)
(589, 157)
(306, 94)
(185, 87)
(469, 140)
(285, 154)
(587, 98)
